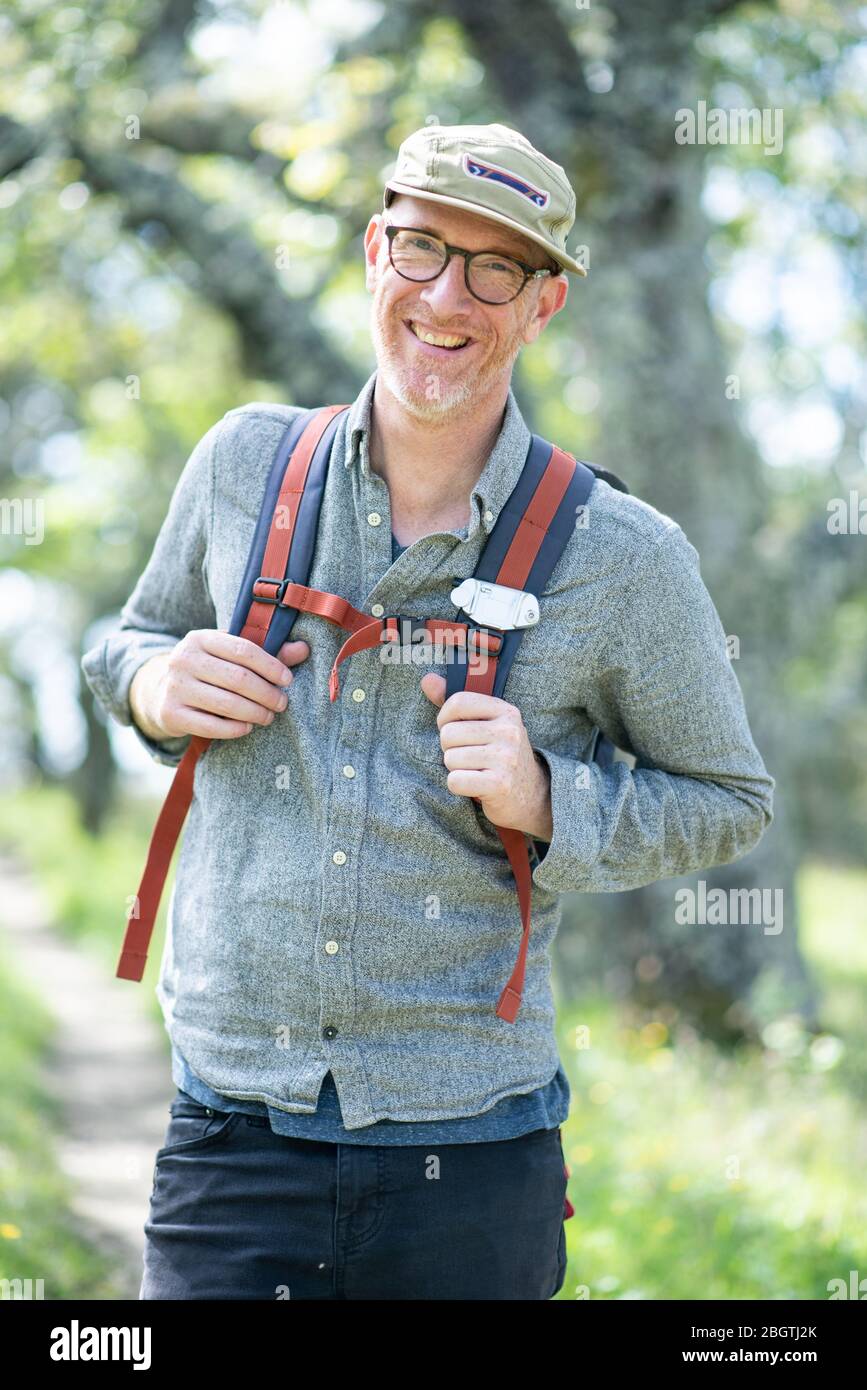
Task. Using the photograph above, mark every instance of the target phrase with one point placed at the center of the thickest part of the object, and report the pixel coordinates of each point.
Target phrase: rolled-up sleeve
(171, 598)
(662, 687)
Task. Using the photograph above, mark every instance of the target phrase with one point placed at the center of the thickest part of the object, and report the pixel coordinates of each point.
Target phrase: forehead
(467, 229)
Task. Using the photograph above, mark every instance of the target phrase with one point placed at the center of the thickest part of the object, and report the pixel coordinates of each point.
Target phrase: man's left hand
(488, 753)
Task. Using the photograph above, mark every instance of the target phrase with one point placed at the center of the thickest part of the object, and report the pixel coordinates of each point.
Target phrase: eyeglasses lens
(493, 278)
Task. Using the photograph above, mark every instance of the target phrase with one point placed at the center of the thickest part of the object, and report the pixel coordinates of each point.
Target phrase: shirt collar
(498, 477)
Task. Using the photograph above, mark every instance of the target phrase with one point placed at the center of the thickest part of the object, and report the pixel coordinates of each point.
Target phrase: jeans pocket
(194, 1126)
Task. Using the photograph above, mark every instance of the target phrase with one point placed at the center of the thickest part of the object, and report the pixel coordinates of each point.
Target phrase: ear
(374, 237)
(552, 297)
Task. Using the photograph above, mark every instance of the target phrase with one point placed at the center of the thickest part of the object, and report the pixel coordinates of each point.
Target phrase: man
(353, 1119)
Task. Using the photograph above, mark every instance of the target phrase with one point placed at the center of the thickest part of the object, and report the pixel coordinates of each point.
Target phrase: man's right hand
(213, 685)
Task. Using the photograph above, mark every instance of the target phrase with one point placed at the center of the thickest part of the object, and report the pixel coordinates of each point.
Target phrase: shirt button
(329, 1032)
(349, 770)
(377, 610)
(374, 518)
(339, 857)
(358, 695)
(489, 516)
(332, 947)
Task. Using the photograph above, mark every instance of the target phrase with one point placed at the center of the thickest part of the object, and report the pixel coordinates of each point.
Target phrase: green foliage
(699, 1175)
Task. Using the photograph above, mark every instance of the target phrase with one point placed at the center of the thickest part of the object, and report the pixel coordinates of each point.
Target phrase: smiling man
(354, 1119)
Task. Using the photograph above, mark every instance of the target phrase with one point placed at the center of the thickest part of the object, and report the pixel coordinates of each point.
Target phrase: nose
(448, 293)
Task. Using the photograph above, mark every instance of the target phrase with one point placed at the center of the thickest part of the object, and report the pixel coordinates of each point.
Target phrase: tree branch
(221, 130)
(18, 145)
(234, 274)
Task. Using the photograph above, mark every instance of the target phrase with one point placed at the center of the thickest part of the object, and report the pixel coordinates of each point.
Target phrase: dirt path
(106, 1067)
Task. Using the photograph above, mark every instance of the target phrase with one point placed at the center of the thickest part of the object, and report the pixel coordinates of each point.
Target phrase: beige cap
(494, 171)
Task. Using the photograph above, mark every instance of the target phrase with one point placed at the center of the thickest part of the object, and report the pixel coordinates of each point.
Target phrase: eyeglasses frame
(530, 272)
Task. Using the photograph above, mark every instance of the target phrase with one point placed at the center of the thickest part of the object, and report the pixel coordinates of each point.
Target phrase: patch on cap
(479, 169)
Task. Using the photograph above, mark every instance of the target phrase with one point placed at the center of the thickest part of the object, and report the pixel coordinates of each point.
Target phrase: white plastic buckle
(496, 605)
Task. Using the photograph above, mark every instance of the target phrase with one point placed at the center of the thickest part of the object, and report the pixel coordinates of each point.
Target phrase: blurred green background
(184, 188)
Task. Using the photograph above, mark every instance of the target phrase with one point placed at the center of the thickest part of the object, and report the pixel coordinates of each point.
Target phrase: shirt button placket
(339, 891)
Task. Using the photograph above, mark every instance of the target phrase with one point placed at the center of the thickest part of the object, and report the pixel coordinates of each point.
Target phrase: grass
(694, 1174)
(39, 1235)
(699, 1176)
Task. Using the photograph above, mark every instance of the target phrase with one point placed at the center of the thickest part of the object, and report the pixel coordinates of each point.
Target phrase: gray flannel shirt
(335, 906)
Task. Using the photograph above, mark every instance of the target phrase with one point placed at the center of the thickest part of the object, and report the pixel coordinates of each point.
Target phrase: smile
(438, 342)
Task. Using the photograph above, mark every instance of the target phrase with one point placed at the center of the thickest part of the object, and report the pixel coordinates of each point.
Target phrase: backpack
(517, 560)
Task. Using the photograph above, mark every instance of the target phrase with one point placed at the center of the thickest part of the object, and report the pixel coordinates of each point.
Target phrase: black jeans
(238, 1211)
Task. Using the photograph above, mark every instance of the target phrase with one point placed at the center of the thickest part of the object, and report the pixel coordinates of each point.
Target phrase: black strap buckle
(281, 590)
(488, 630)
(408, 629)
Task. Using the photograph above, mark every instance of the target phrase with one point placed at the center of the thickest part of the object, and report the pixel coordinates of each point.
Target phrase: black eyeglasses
(490, 277)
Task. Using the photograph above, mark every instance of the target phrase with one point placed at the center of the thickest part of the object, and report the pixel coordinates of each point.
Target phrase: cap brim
(560, 257)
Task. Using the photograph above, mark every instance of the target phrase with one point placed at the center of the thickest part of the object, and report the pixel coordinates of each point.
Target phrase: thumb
(292, 652)
(435, 689)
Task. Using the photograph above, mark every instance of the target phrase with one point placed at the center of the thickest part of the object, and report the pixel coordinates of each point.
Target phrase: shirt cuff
(576, 841)
(109, 669)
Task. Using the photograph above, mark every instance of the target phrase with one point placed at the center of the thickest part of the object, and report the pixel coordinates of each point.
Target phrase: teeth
(436, 339)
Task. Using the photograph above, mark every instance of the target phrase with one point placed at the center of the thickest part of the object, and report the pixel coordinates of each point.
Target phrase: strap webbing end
(131, 966)
(510, 1003)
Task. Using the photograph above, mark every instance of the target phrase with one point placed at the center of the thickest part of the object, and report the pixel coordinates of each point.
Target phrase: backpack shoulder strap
(285, 534)
(529, 537)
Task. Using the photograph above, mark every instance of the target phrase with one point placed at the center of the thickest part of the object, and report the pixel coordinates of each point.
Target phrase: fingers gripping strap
(515, 844)
(140, 923)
